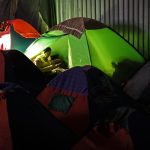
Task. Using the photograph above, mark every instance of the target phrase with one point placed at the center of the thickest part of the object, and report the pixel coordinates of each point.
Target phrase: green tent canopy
(84, 41)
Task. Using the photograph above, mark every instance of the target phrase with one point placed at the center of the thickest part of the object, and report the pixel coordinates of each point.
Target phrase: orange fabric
(25, 29)
(5, 134)
(77, 118)
(115, 140)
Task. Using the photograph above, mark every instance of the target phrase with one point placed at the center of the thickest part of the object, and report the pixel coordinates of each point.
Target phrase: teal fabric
(61, 103)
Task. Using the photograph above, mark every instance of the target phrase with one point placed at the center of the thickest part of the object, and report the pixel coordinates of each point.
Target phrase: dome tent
(65, 97)
(32, 126)
(16, 34)
(84, 41)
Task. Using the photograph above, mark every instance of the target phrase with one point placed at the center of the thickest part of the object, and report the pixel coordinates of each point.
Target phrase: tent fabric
(94, 140)
(17, 68)
(98, 46)
(139, 82)
(98, 101)
(31, 126)
(36, 128)
(18, 42)
(18, 33)
(138, 86)
(71, 84)
(24, 28)
(5, 138)
(76, 26)
(94, 96)
(2, 68)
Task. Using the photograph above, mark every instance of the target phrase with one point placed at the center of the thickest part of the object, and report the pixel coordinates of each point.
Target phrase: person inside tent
(45, 62)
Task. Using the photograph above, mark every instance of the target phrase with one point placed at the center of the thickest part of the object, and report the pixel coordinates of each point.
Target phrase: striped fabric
(66, 97)
(76, 26)
(72, 80)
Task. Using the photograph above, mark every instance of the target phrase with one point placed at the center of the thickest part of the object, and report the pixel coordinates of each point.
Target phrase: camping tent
(32, 126)
(138, 85)
(16, 34)
(81, 96)
(73, 97)
(26, 125)
(84, 41)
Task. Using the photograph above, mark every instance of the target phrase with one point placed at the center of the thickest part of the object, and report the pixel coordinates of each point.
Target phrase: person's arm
(41, 63)
(38, 62)
(49, 67)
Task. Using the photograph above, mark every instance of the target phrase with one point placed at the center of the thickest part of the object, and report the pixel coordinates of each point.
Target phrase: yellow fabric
(42, 61)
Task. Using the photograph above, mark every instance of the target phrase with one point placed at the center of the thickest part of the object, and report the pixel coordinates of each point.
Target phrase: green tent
(84, 41)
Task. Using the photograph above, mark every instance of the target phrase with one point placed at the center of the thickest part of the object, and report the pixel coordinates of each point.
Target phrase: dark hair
(48, 49)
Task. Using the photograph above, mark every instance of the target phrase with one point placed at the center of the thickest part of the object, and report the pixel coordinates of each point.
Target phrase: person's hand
(56, 61)
(58, 70)
(57, 65)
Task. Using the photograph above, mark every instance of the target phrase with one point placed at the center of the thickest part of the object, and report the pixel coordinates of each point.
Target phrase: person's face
(47, 54)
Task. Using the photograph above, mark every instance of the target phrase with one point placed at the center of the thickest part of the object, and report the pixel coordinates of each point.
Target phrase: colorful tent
(138, 85)
(68, 113)
(25, 124)
(85, 41)
(81, 97)
(74, 108)
(16, 34)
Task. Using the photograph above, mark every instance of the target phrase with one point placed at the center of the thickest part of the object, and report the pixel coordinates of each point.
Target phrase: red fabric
(112, 140)
(24, 28)
(77, 118)
(2, 69)
(5, 135)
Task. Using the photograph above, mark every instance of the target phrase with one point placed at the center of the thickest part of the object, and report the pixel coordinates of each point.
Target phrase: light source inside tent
(5, 42)
(101, 47)
(21, 34)
(37, 47)
(68, 47)
(98, 46)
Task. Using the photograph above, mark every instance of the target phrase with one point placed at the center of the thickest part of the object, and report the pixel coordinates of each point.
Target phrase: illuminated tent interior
(84, 41)
(17, 34)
